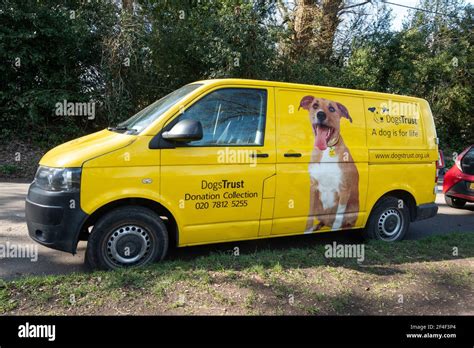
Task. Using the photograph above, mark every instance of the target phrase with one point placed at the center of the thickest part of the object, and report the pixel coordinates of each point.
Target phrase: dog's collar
(333, 142)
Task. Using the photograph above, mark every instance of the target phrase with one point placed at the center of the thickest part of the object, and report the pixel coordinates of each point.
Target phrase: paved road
(13, 230)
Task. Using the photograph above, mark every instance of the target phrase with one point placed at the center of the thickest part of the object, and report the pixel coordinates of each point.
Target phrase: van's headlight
(58, 179)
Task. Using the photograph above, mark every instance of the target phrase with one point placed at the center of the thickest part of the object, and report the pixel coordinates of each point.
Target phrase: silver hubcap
(128, 245)
(390, 224)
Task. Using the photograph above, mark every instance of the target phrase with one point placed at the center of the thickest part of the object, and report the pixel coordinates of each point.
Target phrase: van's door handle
(292, 154)
(264, 155)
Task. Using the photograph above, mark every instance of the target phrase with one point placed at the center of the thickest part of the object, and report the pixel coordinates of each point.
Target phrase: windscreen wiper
(121, 128)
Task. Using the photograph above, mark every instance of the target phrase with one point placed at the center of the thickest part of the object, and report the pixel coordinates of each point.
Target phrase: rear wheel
(125, 237)
(389, 220)
(454, 202)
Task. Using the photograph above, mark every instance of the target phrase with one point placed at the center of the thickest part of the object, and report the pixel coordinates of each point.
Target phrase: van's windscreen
(145, 117)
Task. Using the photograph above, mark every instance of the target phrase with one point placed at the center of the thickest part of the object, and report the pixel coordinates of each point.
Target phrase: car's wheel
(454, 202)
(125, 237)
(389, 220)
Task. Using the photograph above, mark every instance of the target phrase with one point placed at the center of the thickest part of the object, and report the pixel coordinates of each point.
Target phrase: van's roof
(305, 86)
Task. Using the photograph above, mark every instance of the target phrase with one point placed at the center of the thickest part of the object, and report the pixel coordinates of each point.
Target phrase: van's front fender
(101, 186)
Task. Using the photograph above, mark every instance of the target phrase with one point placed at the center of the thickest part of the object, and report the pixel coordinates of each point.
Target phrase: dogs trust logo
(394, 112)
(375, 113)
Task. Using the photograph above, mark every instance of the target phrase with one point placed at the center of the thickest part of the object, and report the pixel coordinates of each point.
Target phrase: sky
(400, 13)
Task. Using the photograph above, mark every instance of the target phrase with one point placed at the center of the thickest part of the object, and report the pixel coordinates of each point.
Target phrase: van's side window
(230, 117)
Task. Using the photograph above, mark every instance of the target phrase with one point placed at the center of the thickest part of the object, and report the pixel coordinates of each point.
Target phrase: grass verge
(428, 276)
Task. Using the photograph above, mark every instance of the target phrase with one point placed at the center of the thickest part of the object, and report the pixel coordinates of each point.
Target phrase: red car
(458, 184)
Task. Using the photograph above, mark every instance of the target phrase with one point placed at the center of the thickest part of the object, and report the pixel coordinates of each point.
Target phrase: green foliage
(430, 58)
(123, 60)
(8, 169)
(49, 54)
(194, 41)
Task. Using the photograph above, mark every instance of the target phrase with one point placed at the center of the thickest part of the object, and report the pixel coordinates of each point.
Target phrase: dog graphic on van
(334, 188)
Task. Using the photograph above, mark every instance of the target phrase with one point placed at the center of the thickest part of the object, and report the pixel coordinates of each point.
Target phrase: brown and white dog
(334, 191)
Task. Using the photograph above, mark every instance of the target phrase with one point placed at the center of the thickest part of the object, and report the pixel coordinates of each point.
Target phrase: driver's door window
(230, 117)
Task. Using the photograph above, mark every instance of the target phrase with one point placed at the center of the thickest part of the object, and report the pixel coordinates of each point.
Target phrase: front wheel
(125, 237)
(389, 220)
(455, 202)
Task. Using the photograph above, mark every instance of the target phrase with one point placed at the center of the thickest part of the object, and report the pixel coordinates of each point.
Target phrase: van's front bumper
(426, 211)
(54, 219)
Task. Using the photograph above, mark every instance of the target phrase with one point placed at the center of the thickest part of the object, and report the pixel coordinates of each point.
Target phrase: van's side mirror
(184, 131)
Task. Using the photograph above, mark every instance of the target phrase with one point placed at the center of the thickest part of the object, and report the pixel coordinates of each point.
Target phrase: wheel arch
(406, 196)
(165, 215)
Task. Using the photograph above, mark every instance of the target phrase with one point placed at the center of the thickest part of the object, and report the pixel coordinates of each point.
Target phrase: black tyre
(127, 237)
(389, 220)
(455, 202)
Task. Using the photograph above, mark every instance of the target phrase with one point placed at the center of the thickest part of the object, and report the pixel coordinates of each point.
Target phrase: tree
(51, 52)
(123, 55)
(193, 41)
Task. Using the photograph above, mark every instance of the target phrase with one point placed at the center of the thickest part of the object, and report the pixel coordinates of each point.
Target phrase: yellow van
(232, 159)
